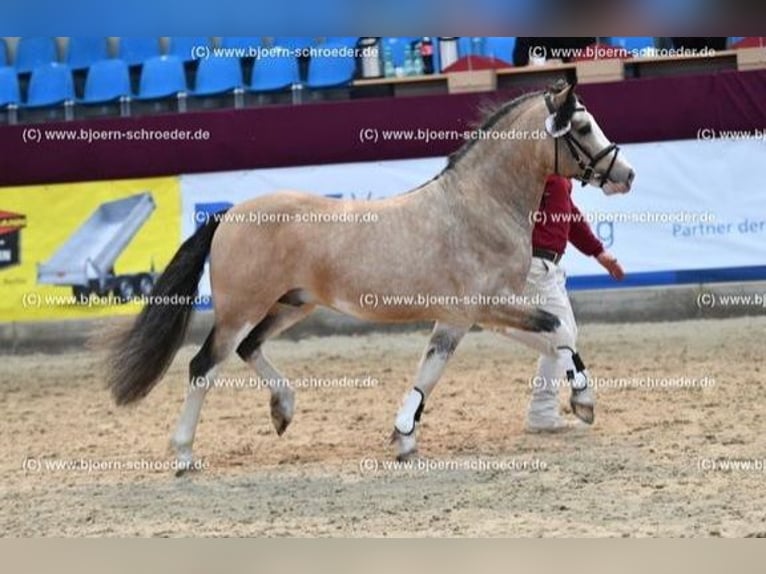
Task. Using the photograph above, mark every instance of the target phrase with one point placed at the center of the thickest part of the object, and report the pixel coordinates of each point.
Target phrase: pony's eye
(584, 130)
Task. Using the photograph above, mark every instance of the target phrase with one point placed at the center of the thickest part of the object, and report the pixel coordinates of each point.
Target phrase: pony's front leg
(444, 340)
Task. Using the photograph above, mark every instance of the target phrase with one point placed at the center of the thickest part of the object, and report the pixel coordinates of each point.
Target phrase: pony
(461, 241)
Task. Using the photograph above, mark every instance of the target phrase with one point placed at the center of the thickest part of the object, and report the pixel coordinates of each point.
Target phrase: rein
(577, 151)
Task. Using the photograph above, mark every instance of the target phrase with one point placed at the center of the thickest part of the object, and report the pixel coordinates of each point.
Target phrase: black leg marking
(442, 343)
(542, 321)
(255, 338)
(203, 361)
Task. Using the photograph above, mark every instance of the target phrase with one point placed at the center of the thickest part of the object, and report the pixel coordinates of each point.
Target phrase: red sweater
(562, 222)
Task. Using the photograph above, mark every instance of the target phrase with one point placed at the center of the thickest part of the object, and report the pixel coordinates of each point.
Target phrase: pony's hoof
(183, 466)
(586, 413)
(184, 459)
(280, 425)
(282, 408)
(406, 445)
(405, 456)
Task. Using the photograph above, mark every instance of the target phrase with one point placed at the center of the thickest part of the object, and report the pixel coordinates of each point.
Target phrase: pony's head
(581, 150)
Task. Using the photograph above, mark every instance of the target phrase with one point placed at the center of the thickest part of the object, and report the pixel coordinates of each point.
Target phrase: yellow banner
(86, 249)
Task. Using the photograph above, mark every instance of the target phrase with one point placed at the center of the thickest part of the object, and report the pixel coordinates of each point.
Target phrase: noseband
(577, 151)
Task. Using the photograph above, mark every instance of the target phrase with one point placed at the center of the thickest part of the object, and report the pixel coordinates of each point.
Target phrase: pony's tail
(140, 356)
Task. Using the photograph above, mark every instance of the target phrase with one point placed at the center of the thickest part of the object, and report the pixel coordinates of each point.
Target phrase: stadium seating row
(82, 52)
(164, 75)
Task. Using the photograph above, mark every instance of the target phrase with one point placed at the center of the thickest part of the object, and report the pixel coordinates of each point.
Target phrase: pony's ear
(565, 103)
(559, 92)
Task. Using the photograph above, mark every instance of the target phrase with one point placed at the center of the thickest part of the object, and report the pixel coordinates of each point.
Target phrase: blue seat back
(9, 86)
(347, 41)
(33, 52)
(218, 75)
(246, 44)
(633, 43)
(161, 77)
(50, 85)
(107, 80)
(295, 42)
(274, 73)
(188, 48)
(329, 71)
(84, 51)
(135, 50)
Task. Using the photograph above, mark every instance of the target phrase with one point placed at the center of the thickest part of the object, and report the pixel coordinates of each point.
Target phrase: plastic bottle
(409, 65)
(388, 62)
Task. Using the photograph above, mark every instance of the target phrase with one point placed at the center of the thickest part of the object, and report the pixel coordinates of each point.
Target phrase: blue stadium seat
(633, 43)
(50, 85)
(272, 73)
(136, 50)
(9, 86)
(161, 77)
(82, 52)
(218, 76)
(347, 41)
(3, 52)
(295, 42)
(186, 48)
(243, 43)
(500, 47)
(329, 71)
(33, 52)
(107, 80)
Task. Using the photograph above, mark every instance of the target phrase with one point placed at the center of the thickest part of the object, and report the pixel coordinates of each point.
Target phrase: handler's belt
(547, 254)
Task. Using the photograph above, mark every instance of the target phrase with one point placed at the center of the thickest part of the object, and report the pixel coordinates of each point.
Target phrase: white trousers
(546, 284)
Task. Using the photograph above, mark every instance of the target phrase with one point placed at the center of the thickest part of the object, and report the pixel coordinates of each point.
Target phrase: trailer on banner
(85, 262)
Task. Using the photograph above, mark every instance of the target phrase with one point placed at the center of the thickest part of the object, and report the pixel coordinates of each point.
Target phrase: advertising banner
(84, 250)
(694, 215)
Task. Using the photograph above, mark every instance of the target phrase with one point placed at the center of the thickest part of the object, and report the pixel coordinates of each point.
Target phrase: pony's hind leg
(444, 340)
(279, 318)
(217, 347)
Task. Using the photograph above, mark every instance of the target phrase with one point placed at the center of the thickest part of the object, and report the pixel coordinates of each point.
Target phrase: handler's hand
(610, 263)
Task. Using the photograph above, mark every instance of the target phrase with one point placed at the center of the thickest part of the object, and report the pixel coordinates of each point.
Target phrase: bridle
(577, 150)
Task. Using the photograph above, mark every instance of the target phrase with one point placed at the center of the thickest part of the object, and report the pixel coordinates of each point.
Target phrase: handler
(558, 222)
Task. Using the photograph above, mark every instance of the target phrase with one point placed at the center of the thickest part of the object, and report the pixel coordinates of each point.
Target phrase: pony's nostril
(631, 175)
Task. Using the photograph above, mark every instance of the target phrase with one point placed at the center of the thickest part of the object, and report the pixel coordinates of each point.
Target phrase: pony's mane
(491, 116)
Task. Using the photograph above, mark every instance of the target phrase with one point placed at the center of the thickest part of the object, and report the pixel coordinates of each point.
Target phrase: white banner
(695, 206)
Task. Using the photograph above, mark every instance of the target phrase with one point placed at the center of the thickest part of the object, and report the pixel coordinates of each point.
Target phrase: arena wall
(653, 304)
